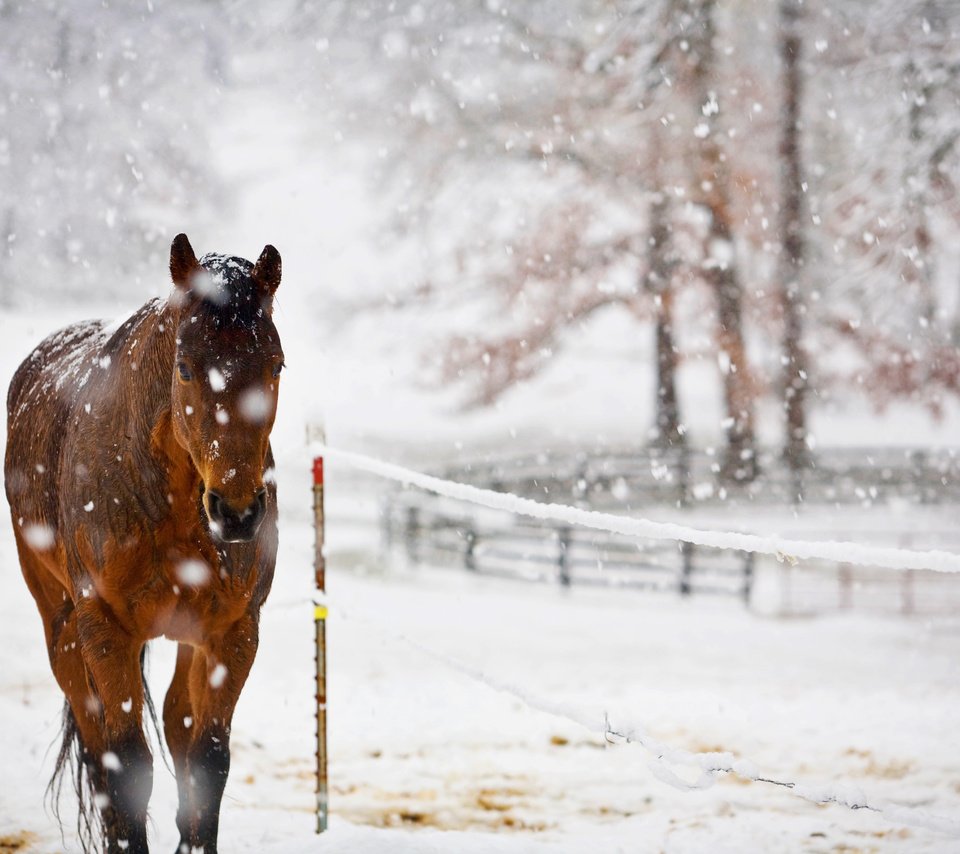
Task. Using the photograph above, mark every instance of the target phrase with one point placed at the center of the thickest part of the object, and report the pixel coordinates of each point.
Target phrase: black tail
(74, 763)
(152, 709)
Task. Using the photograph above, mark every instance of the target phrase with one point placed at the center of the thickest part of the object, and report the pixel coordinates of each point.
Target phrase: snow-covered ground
(425, 758)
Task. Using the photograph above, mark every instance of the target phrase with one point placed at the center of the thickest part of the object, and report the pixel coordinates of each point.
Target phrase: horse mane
(229, 298)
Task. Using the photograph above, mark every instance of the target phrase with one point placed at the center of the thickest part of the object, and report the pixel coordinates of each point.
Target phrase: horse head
(225, 379)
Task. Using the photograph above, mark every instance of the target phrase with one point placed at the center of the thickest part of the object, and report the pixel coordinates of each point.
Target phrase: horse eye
(277, 368)
(184, 372)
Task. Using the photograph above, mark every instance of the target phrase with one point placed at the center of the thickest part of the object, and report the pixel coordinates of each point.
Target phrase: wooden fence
(430, 532)
(433, 530)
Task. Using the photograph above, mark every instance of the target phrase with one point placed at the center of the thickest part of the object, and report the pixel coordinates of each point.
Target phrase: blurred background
(696, 260)
(707, 248)
(732, 222)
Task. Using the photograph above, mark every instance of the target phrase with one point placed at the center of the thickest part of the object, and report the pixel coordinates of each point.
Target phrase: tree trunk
(668, 432)
(795, 383)
(739, 458)
(720, 265)
(917, 272)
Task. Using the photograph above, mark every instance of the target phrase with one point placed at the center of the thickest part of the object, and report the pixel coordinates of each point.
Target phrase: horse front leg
(217, 676)
(178, 719)
(125, 764)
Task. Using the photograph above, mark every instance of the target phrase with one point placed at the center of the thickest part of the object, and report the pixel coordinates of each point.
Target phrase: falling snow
(517, 238)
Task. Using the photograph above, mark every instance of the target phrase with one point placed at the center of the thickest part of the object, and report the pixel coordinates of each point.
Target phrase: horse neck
(146, 354)
(147, 374)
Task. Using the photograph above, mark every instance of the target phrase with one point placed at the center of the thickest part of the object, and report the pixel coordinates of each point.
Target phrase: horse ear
(266, 272)
(183, 262)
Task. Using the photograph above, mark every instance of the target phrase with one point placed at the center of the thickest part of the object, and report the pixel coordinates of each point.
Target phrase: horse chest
(190, 613)
(173, 582)
(201, 598)
(196, 616)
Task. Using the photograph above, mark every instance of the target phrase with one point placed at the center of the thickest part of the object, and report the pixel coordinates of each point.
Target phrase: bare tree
(893, 81)
(796, 380)
(668, 428)
(711, 188)
(560, 159)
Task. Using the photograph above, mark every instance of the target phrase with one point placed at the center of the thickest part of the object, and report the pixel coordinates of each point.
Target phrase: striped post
(320, 623)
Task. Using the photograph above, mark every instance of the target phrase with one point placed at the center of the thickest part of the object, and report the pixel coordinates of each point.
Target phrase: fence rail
(544, 551)
(712, 764)
(435, 530)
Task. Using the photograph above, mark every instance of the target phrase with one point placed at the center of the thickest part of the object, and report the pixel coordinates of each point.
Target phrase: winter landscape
(686, 261)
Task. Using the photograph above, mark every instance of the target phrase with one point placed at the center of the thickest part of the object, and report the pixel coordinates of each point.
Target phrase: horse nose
(232, 525)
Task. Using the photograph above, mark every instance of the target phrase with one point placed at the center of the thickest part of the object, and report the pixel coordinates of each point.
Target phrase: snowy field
(425, 758)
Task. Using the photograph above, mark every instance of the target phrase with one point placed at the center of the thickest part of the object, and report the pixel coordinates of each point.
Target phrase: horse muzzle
(233, 526)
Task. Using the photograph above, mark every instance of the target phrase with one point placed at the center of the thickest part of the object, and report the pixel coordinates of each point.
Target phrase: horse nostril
(215, 505)
(233, 525)
(257, 508)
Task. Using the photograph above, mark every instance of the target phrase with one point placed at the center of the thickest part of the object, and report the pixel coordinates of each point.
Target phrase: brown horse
(140, 479)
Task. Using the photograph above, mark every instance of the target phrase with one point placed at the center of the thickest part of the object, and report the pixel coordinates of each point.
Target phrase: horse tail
(151, 708)
(72, 762)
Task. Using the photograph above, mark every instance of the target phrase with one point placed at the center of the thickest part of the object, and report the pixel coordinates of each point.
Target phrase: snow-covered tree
(883, 196)
(779, 176)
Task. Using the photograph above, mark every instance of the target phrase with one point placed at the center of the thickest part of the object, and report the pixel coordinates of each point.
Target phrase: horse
(141, 486)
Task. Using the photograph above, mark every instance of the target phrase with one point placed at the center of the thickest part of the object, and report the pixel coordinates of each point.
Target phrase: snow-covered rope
(779, 547)
(711, 765)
